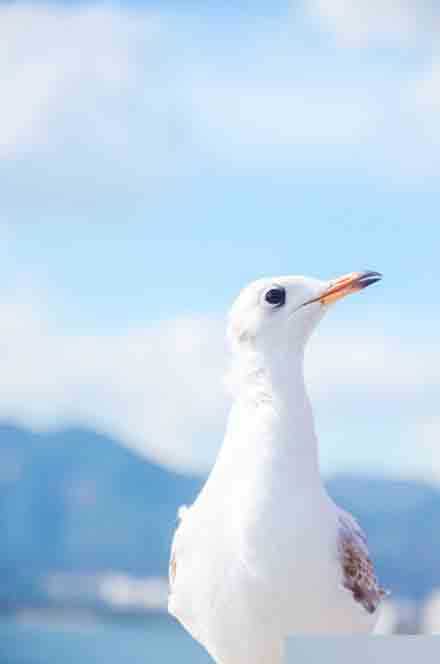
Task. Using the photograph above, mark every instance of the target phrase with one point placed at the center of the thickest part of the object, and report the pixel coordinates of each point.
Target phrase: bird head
(275, 315)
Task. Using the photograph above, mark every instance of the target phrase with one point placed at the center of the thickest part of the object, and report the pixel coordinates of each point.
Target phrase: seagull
(264, 553)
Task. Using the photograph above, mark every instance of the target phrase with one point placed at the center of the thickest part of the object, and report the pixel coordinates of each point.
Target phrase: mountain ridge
(80, 502)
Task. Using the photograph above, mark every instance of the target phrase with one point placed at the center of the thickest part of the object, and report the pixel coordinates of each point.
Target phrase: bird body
(264, 552)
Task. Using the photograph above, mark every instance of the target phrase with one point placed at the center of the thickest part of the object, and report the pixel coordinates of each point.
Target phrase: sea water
(34, 639)
(38, 640)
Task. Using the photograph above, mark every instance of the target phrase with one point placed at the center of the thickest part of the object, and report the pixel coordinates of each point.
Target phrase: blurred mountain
(77, 501)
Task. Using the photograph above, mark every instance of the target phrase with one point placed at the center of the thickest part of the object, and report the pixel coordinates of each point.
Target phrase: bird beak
(349, 283)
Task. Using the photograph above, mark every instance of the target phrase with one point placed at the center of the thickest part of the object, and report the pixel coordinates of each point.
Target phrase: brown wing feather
(358, 571)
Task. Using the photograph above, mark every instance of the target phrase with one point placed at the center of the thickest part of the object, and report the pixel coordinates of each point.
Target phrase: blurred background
(156, 156)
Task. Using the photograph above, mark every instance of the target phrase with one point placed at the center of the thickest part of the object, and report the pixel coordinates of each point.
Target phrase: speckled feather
(358, 571)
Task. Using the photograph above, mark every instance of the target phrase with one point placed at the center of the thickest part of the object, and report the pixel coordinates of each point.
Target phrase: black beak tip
(369, 277)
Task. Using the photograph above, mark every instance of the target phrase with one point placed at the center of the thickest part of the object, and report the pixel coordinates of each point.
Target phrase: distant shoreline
(76, 615)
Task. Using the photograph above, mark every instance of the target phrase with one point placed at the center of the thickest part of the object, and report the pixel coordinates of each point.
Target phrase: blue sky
(156, 157)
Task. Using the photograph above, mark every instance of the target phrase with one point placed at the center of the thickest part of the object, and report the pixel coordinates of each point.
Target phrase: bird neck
(273, 408)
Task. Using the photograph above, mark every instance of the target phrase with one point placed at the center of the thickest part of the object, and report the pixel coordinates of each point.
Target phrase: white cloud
(278, 118)
(103, 83)
(377, 21)
(424, 434)
(376, 397)
(110, 95)
(341, 362)
(105, 96)
(159, 389)
(425, 95)
(57, 62)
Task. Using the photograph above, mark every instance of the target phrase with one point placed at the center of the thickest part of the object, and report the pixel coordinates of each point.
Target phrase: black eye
(276, 296)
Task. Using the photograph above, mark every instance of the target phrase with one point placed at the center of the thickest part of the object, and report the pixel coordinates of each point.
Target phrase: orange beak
(349, 283)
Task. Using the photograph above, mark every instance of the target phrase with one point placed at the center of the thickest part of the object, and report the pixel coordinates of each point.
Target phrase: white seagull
(264, 552)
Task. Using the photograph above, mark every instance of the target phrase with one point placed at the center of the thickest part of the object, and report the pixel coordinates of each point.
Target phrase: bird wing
(172, 568)
(357, 569)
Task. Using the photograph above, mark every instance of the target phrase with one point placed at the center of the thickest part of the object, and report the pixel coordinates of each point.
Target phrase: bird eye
(275, 296)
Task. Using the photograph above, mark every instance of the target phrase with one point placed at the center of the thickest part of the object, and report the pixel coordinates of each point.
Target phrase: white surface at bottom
(363, 650)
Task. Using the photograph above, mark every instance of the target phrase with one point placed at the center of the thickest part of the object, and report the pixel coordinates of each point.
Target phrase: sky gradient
(157, 156)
